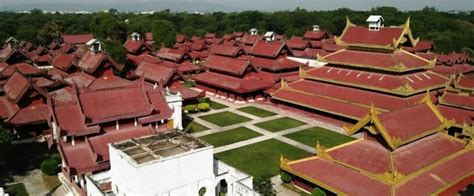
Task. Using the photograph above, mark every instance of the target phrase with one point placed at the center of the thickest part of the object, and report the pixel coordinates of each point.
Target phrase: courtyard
(252, 137)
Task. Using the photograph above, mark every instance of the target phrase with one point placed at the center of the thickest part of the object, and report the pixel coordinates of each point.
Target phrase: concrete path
(250, 124)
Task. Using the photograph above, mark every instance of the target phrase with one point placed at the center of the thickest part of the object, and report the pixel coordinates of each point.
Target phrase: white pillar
(117, 125)
(73, 142)
(135, 122)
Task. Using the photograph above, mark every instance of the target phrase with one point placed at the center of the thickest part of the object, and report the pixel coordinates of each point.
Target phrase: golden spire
(321, 151)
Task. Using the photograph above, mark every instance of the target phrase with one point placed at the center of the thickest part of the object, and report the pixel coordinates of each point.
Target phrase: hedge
(50, 166)
(203, 106)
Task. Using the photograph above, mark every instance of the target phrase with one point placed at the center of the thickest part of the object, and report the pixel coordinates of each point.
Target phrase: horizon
(231, 6)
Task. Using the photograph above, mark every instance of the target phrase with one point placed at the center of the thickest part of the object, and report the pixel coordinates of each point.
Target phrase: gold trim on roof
(396, 68)
(321, 151)
(396, 43)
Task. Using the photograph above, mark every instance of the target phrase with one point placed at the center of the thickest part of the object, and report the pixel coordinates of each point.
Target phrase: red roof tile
(320, 103)
(395, 84)
(457, 100)
(186, 93)
(340, 177)
(279, 64)
(7, 108)
(398, 61)
(108, 82)
(418, 120)
(267, 49)
(38, 113)
(250, 39)
(438, 177)
(228, 65)
(171, 54)
(79, 158)
(79, 79)
(356, 35)
(77, 39)
(297, 43)
(465, 82)
(64, 61)
(422, 45)
(27, 69)
(459, 115)
(186, 67)
(91, 61)
(239, 85)
(314, 35)
(16, 87)
(155, 72)
(114, 104)
(136, 46)
(161, 109)
(227, 50)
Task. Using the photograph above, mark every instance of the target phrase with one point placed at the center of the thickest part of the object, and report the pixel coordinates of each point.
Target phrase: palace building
(403, 152)
(373, 70)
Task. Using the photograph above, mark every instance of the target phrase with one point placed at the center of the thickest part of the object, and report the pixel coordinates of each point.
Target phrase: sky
(230, 5)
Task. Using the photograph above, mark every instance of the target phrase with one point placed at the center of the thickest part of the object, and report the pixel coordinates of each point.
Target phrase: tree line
(449, 31)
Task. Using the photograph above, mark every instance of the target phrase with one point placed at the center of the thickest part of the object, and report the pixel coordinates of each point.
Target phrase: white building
(172, 163)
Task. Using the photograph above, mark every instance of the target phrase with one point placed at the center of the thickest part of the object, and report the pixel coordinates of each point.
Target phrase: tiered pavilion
(373, 70)
(416, 157)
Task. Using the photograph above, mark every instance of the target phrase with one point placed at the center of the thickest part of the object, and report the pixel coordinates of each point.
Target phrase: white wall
(181, 175)
(175, 103)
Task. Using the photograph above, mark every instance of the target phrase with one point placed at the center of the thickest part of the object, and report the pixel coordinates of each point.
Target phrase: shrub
(318, 192)
(190, 108)
(50, 166)
(203, 106)
(204, 100)
(264, 186)
(286, 177)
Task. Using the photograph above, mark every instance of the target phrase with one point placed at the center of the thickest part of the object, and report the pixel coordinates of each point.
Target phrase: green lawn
(16, 190)
(230, 136)
(280, 124)
(223, 119)
(326, 137)
(256, 111)
(216, 106)
(261, 160)
(192, 127)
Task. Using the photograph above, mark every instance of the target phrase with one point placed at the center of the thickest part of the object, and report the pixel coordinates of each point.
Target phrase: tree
(285, 177)
(163, 33)
(5, 135)
(264, 186)
(318, 192)
(116, 50)
(51, 31)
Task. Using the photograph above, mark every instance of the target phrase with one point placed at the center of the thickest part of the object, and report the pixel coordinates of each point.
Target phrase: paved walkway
(250, 124)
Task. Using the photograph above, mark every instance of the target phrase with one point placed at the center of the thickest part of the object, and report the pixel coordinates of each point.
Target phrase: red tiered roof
(281, 63)
(228, 65)
(180, 38)
(37, 113)
(135, 46)
(347, 95)
(227, 50)
(91, 61)
(398, 61)
(110, 105)
(457, 100)
(338, 178)
(250, 39)
(171, 54)
(362, 36)
(465, 82)
(397, 84)
(64, 61)
(314, 35)
(7, 108)
(297, 43)
(249, 83)
(422, 45)
(16, 87)
(79, 79)
(155, 72)
(427, 164)
(460, 116)
(108, 82)
(83, 157)
(267, 49)
(77, 39)
(418, 121)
